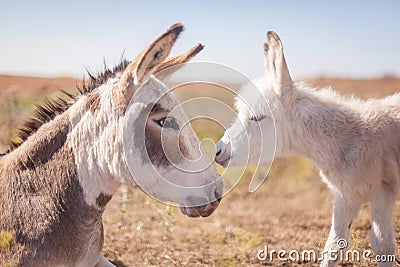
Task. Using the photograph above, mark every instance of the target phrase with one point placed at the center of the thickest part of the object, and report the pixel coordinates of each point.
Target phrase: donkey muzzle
(223, 153)
(204, 210)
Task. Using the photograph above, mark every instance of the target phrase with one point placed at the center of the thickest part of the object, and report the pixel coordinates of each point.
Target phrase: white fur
(93, 138)
(354, 143)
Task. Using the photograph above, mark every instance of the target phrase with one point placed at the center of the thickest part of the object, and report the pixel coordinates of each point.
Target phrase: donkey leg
(345, 211)
(382, 234)
(103, 262)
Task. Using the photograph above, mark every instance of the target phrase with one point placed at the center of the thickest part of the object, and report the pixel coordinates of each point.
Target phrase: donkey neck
(96, 141)
(322, 126)
(42, 199)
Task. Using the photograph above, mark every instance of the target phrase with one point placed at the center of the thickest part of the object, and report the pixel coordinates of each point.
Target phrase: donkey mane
(47, 111)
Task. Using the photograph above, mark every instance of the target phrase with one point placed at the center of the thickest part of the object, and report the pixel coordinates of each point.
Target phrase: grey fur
(41, 200)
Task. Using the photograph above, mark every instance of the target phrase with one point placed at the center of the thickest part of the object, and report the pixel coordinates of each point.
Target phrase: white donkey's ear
(171, 65)
(275, 63)
(144, 65)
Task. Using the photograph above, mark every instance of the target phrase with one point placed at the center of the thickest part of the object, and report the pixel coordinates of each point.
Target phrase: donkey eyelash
(168, 122)
(257, 118)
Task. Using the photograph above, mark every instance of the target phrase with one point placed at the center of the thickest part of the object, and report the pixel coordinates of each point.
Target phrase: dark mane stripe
(43, 113)
(47, 111)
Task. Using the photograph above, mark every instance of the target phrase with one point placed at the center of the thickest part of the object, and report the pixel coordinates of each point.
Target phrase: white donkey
(354, 143)
(55, 184)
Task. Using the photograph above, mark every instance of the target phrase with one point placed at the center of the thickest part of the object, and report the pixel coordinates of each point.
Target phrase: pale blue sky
(331, 38)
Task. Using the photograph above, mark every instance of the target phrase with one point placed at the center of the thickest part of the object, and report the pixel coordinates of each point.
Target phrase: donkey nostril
(218, 152)
(218, 195)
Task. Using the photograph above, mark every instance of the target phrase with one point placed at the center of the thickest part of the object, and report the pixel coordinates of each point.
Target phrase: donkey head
(144, 136)
(252, 136)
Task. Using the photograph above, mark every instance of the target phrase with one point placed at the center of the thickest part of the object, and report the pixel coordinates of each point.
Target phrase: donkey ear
(275, 63)
(171, 65)
(156, 53)
(144, 65)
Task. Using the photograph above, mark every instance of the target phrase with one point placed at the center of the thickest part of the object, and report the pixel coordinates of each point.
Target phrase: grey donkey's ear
(171, 65)
(144, 65)
(275, 63)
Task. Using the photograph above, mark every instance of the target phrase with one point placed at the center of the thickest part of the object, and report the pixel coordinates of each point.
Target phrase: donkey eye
(168, 122)
(257, 118)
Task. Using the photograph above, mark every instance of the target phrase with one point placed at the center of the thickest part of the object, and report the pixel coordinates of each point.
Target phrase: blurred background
(352, 45)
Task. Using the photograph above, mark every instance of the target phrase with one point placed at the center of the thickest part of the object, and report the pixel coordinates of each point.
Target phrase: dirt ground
(291, 211)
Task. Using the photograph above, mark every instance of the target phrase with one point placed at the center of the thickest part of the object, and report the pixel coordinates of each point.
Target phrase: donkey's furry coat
(354, 143)
(56, 182)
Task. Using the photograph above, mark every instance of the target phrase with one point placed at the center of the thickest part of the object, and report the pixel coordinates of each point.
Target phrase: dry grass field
(290, 211)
